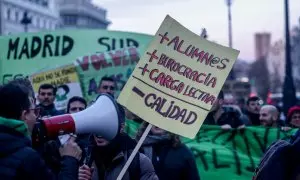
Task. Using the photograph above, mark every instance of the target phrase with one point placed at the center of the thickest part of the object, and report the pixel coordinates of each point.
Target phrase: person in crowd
(46, 97)
(109, 157)
(293, 117)
(107, 85)
(50, 150)
(76, 104)
(253, 108)
(269, 116)
(18, 160)
(171, 158)
(226, 117)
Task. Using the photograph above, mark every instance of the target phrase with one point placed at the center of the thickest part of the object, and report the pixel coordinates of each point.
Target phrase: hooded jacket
(19, 161)
(110, 160)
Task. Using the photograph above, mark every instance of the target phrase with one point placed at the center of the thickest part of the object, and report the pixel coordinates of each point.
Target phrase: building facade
(276, 65)
(44, 15)
(262, 45)
(82, 14)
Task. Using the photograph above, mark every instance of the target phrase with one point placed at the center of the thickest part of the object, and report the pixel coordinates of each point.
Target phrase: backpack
(134, 169)
(278, 162)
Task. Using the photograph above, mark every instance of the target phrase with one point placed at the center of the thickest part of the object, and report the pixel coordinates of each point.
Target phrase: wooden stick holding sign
(134, 152)
(146, 132)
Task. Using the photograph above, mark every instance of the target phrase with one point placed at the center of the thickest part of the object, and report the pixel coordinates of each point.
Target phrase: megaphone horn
(102, 118)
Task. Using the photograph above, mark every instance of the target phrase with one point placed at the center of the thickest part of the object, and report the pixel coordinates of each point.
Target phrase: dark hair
(25, 82)
(221, 95)
(254, 98)
(76, 98)
(48, 86)
(106, 78)
(14, 98)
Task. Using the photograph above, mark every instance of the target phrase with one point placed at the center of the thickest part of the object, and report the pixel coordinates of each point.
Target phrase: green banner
(228, 154)
(26, 54)
(117, 64)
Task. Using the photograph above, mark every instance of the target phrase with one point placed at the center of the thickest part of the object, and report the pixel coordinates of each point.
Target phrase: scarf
(17, 125)
(154, 140)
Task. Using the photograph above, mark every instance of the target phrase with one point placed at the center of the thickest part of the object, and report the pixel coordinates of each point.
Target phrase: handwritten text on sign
(178, 79)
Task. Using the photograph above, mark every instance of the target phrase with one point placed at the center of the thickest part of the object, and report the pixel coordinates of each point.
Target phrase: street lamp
(289, 92)
(25, 21)
(229, 3)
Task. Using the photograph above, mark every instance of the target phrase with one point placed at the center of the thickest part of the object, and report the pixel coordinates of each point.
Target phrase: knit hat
(291, 111)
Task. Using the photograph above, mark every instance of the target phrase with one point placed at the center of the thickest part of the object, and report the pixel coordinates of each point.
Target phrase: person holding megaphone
(18, 160)
(109, 157)
(105, 157)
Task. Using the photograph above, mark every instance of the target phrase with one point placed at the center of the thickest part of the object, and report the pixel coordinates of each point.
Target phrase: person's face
(157, 131)
(46, 96)
(254, 107)
(100, 141)
(29, 116)
(265, 117)
(76, 106)
(108, 87)
(295, 119)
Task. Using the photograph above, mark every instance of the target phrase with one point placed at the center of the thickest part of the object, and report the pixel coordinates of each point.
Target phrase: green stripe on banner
(227, 154)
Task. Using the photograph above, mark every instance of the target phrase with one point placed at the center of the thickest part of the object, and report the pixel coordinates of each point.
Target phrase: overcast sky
(248, 17)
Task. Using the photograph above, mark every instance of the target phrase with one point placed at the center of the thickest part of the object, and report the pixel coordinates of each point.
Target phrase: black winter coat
(176, 163)
(19, 161)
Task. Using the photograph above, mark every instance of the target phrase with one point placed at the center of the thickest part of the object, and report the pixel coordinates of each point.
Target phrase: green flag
(25, 54)
(227, 154)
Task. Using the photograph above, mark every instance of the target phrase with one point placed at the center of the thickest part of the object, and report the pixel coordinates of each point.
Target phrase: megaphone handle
(137, 147)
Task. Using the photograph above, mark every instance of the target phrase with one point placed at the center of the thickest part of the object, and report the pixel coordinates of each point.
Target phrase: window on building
(38, 22)
(45, 3)
(45, 23)
(70, 19)
(8, 14)
(17, 15)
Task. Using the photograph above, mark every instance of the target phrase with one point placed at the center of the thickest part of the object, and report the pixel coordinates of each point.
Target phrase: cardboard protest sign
(177, 79)
(64, 78)
(25, 54)
(117, 64)
(227, 154)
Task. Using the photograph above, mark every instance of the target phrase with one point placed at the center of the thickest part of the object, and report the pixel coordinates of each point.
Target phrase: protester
(171, 159)
(107, 85)
(226, 117)
(50, 149)
(269, 116)
(253, 108)
(46, 97)
(17, 159)
(76, 104)
(293, 117)
(109, 157)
